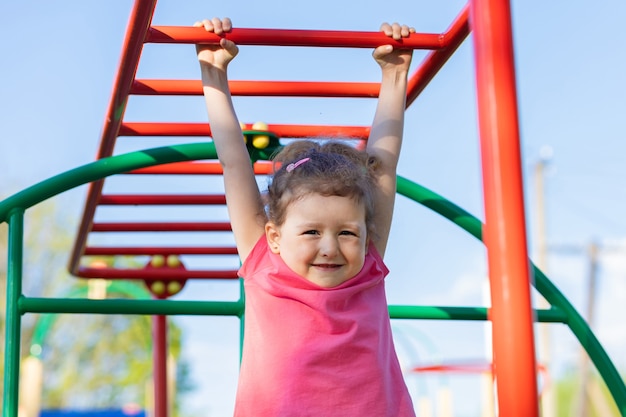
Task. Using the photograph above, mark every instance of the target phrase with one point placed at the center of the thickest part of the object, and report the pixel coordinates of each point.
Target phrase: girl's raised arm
(385, 138)
(243, 198)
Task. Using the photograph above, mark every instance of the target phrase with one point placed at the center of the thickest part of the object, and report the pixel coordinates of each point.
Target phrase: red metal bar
(283, 131)
(197, 168)
(136, 31)
(505, 230)
(171, 250)
(291, 37)
(261, 88)
(434, 61)
(159, 371)
(154, 274)
(154, 199)
(162, 227)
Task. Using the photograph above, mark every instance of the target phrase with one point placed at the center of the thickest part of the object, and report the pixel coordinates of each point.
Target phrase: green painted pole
(125, 306)
(13, 316)
(552, 315)
(242, 317)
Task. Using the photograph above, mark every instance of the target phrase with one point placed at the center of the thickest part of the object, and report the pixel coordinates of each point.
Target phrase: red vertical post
(505, 230)
(159, 336)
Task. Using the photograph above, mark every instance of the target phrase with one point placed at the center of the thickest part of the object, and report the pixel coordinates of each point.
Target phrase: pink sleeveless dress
(313, 351)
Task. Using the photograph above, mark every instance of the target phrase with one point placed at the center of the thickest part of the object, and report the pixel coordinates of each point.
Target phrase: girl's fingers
(229, 46)
(227, 24)
(386, 29)
(406, 31)
(215, 25)
(396, 30)
(381, 51)
(208, 25)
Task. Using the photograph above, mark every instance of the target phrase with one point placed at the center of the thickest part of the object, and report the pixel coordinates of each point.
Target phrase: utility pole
(548, 403)
(589, 394)
(583, 394)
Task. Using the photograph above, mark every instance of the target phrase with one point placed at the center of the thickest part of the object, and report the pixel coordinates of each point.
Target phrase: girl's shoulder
(257, 258)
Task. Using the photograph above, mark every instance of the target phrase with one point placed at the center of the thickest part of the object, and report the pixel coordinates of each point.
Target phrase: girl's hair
(330, 169)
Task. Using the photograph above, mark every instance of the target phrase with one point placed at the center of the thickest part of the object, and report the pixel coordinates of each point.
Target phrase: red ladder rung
(283, 131)
(161, 227)
(197, 168)
(294, 37)
(154, 274)
(146, 250)
(260, 88)
(155, 199)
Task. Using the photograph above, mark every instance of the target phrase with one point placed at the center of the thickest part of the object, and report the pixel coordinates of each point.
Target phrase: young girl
(317, 338)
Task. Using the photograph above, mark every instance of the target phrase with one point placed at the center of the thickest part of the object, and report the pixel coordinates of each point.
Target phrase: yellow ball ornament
(157, 261)
(173, 287)
(259, 126)
(260, 141)
(158, 288)
(173, 261)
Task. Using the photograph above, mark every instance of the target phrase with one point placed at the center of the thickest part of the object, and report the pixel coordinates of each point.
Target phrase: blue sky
(60, 59)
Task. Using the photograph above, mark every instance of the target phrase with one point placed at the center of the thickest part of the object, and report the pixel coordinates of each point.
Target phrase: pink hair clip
(296, 164)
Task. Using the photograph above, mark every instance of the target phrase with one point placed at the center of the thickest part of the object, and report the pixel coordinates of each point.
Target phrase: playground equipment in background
(504, 233)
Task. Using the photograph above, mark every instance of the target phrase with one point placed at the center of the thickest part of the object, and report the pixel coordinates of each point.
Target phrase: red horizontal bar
(293, 37)
(154, 199)
(110, 251)
(154, 274)
(197, 168)
(461, 368)
(260, 88)
(162, 227)
(283, 131)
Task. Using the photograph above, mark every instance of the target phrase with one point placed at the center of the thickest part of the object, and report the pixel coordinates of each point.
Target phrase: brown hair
(333, 169)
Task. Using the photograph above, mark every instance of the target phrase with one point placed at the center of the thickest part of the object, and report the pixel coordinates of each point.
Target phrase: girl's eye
(347, 233)
(310, 232)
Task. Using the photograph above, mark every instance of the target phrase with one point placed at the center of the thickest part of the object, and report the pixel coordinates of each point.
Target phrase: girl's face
(323, 238)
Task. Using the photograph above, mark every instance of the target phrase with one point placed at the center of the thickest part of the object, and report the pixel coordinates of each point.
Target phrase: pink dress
(313, 351)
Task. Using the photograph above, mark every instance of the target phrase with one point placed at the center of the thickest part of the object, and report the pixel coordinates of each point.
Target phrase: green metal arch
(103, 168)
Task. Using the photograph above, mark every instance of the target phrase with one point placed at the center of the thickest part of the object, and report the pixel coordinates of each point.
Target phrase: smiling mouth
(327, 266)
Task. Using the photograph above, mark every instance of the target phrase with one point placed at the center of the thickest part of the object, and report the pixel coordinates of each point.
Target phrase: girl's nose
(328, 247)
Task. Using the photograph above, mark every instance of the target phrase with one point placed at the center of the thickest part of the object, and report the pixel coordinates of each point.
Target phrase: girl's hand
(386, 55)
(221, 54)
